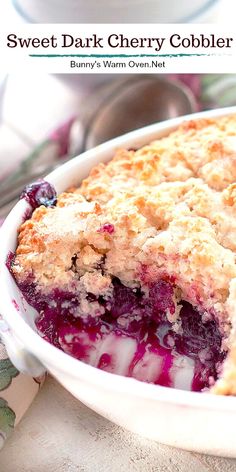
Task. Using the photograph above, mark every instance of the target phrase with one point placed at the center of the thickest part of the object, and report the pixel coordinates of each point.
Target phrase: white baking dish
(196, 421)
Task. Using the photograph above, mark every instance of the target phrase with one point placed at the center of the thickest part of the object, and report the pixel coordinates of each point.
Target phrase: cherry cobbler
(134, 272)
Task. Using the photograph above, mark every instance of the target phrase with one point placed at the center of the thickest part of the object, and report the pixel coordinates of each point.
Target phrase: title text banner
(119, 48)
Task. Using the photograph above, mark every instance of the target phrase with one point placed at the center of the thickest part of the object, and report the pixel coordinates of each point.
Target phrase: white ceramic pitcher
(116, 11)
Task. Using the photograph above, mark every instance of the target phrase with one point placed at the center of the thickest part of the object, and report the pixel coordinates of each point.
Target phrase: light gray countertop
(60, 434)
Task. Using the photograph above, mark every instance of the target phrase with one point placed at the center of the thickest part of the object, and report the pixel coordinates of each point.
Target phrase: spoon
(131, 104)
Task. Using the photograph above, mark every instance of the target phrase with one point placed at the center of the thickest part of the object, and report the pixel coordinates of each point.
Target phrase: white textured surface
(60, 434)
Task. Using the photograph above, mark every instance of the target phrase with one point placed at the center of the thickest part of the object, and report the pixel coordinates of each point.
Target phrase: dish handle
(24, 361)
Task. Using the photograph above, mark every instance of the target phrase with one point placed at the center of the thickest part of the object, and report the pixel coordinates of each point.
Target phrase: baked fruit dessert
(134, 272)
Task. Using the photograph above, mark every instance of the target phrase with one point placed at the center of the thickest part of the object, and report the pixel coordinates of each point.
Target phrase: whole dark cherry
(40, 193)
(107, 228)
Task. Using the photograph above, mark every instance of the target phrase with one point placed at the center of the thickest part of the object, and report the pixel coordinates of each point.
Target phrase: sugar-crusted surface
(173, 207)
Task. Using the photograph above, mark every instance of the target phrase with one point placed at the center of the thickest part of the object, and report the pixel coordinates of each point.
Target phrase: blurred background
(119, 11)
(46, 119)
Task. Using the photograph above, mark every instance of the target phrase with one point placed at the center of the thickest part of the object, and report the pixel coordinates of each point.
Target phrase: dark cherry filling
(40, 193)
(132, 336)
